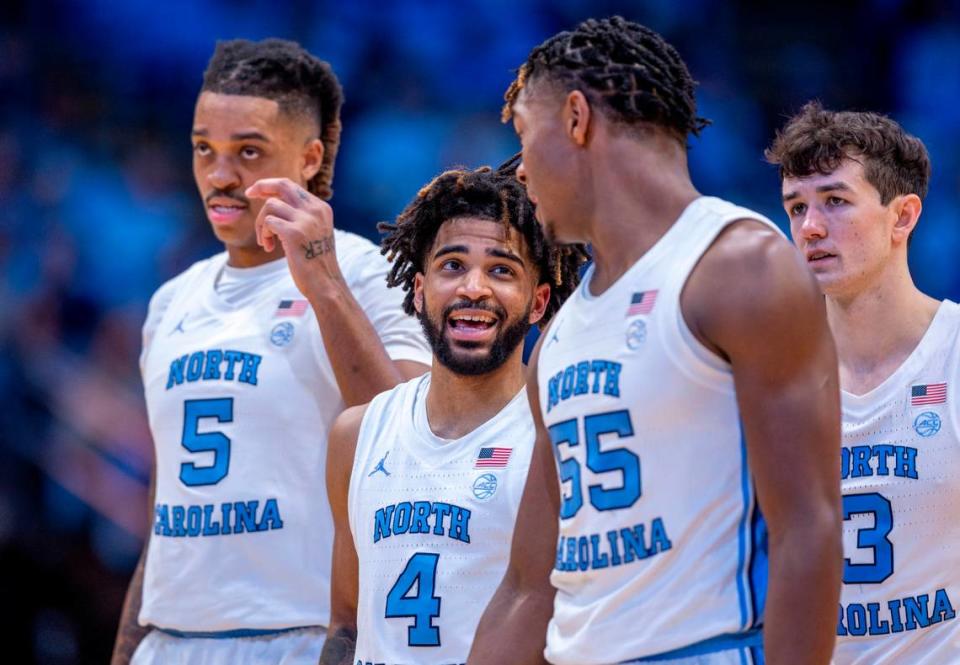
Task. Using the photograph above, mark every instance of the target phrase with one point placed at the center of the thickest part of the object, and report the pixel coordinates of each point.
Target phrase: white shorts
(295, 647)
(744, 656)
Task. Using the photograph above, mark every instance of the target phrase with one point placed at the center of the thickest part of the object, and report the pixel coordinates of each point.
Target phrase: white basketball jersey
(662, 550)
(901, 506)
(432, 521)
(240, 397)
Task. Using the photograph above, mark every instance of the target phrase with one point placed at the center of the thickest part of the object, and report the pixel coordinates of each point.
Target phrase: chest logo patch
(636, 334)
(380, 466)
(485, 486)
(927, 424)
(282, 334)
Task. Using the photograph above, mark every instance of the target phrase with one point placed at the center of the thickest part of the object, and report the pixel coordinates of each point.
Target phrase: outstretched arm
(344, 578)
(303, 224)
(752, 299)
(513, 628)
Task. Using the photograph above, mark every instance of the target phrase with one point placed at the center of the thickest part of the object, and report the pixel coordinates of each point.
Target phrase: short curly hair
(625, 68)
(283, 71)
(485, 193)
(816, 140)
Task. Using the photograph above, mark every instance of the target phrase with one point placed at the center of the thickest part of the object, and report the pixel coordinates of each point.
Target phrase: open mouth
(471, 324)
(224, 211)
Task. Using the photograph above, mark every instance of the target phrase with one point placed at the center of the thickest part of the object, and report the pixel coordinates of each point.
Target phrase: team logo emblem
(380, 466)
(927, 424)
(282, 334)
(636, 334)
(485, 486)
(179, 327)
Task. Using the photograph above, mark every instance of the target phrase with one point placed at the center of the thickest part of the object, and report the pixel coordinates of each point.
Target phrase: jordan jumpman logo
(380, 466)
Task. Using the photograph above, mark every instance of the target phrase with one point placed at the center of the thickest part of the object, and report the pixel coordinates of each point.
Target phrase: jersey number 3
(424, 607)
(200, 442)
(875, 538)
(599, 461)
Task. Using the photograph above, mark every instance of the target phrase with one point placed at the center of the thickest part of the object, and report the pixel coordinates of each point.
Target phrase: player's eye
(502, 271)
(835, 201)
(450, 264)
(249, 152)
(201, 149)
(798, 209)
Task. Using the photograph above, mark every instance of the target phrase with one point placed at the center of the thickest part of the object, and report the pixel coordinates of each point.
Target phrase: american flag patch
(928, 393)
(493, 458)
(642, 302)
(291, 308)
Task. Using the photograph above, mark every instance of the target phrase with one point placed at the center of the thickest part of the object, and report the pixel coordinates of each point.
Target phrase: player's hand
(303, 224)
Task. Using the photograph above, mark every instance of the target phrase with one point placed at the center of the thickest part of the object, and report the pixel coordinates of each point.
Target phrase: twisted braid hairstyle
(625, 69)
(300, 83)
(487, 194)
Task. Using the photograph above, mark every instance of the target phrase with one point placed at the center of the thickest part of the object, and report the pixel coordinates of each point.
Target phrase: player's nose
(223, 174)
(475, 285)
(522, 173)
(813, 224)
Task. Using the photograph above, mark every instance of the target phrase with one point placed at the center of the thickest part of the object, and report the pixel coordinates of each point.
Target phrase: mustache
(496, 310)
(228, 194)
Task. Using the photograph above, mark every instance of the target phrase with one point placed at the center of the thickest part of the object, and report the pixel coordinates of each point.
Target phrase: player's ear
(541, 298)
(312, 159)
(576, 117)
(907, 208)
(418, 292)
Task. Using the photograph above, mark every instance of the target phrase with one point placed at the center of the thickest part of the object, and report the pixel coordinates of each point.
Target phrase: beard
(504, 344)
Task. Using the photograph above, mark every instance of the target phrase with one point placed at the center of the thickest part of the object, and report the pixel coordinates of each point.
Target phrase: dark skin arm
(344, 586)
(129, 632)
(753, 301)
(513, 628)
(303, 224)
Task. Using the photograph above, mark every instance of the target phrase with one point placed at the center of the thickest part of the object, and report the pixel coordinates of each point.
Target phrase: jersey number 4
(599, 461)
(875, 538)
(424, 606)
(200, 442)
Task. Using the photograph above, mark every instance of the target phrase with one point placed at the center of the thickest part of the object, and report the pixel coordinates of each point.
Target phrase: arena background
(98, 207)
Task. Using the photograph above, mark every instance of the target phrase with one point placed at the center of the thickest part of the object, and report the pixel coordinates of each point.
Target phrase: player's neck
(878, 328)
(641, 188)
(458, 404)
(251, 257)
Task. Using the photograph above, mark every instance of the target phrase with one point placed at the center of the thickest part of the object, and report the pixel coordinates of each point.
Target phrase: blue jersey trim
(752, 640)
(227, 634)
(743, 556)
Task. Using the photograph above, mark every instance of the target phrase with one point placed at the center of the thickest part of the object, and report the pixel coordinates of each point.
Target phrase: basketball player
(853, 185)
(688, 390)
(247, 358)
(425, 480)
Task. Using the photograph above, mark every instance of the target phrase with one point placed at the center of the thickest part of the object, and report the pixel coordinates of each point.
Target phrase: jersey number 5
(598, 461)
(199, 442)
(424, 607)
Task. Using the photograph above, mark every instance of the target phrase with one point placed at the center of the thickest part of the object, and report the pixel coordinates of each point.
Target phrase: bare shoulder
(341, 449)
(749, 285)
(345, 430)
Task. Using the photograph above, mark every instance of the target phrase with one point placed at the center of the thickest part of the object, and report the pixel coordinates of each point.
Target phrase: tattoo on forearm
(130, 633)
(340, 647)
(314, 248)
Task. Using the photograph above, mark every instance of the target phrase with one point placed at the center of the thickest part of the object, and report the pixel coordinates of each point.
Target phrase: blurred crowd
(98, 206)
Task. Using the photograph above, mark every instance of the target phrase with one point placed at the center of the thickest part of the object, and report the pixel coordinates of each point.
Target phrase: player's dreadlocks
(283, 71)
(628, 70)
(488, 194)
